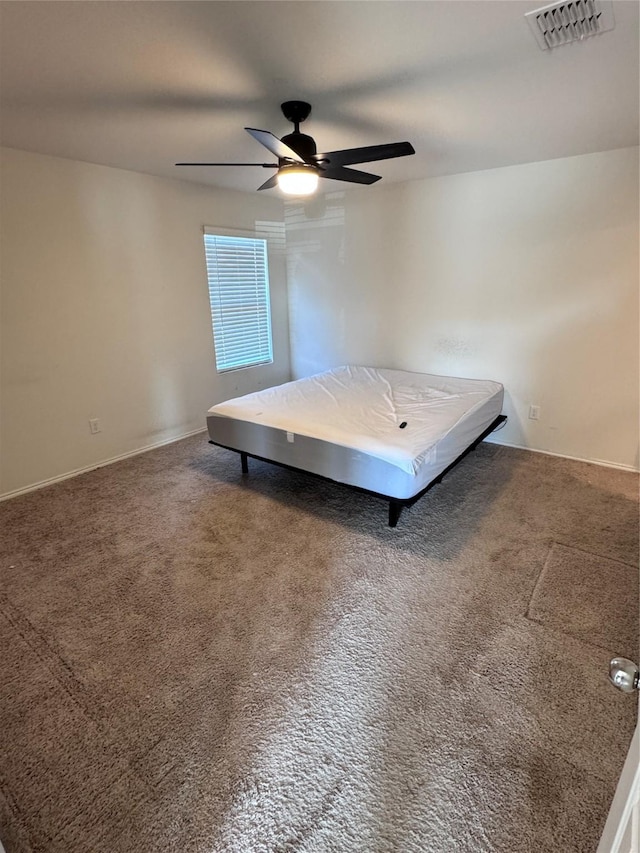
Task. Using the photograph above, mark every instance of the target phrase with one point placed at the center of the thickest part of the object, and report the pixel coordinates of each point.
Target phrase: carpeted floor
(196, 661)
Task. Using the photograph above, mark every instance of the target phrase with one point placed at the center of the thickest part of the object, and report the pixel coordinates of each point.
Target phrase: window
(238, 275)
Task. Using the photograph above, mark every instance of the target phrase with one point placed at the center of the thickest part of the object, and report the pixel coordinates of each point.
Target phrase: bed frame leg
(395, 508)
(244, 462)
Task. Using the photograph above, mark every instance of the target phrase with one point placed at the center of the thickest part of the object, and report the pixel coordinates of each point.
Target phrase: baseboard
(602, 462)
(60, 477)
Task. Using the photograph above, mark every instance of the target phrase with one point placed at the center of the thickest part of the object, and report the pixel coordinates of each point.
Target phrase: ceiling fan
(299, 164)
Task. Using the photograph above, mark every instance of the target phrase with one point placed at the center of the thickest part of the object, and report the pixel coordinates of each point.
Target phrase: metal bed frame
(396, 505)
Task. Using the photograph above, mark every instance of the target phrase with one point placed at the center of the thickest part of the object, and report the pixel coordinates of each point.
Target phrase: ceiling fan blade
(353, 176)
(280, 149)
(350, 156)
(263, 165)
(270, 183)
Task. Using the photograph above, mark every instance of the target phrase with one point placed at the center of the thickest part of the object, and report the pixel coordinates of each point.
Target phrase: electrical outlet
(534, 413)
(94, 425)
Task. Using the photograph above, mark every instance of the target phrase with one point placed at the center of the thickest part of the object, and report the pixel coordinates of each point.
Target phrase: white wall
(105, 312)
(340, 265)
(527, 275)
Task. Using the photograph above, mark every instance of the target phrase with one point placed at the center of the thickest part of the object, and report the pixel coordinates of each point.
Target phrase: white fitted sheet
(345, 424)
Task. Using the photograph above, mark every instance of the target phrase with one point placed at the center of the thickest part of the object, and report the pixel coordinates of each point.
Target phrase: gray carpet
(196, 661)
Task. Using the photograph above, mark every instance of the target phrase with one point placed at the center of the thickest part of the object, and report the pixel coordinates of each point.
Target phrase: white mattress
(345, 424)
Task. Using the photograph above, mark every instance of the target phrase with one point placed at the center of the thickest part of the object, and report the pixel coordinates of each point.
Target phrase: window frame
(266, 356)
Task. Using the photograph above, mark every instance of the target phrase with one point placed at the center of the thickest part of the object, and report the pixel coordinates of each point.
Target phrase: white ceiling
(141, 85)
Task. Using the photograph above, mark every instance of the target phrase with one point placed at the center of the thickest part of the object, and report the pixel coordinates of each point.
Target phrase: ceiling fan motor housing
(302, 144)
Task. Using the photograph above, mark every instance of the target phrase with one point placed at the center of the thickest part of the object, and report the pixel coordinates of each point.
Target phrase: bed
(391, 433)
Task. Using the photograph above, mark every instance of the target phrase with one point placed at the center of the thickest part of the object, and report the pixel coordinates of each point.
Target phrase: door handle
(624, 674)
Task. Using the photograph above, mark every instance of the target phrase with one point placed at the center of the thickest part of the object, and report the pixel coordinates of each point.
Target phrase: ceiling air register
(563, 23)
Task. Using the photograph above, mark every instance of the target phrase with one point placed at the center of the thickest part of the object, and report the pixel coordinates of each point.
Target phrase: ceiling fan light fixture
(298, 179)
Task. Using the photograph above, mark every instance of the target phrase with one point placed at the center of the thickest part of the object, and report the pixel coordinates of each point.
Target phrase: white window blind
(238, 276)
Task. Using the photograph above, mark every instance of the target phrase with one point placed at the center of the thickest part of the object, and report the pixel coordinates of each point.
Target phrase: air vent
(562, 23)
